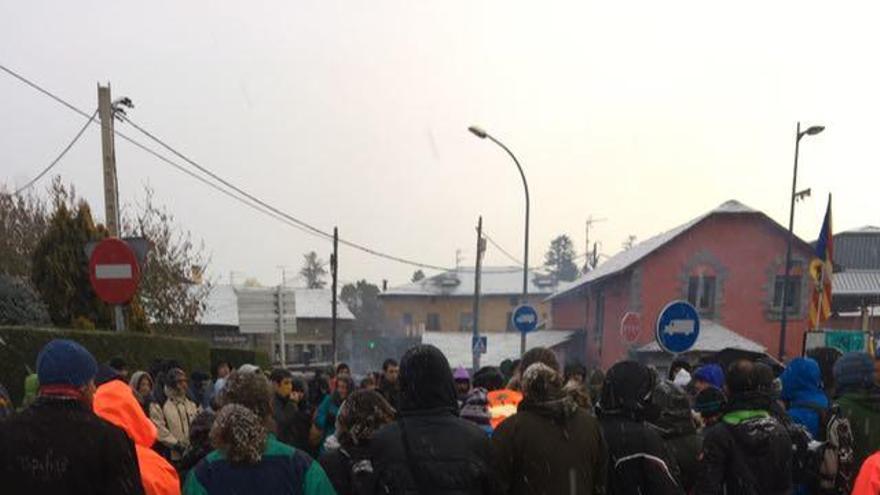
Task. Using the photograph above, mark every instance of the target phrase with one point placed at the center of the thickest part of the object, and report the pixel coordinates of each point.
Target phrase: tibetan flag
(822, 273)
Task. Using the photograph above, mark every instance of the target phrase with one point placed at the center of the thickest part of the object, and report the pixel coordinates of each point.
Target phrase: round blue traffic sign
(525, 318)
(678, 327)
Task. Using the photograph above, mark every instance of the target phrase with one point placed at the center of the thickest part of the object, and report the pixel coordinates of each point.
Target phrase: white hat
(682, 378)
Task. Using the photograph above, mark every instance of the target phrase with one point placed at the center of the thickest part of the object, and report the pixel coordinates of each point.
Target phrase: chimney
(384, 285)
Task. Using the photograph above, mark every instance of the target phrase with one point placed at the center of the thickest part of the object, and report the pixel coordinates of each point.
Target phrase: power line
(503, 251)
(272, 211)
(59, 157)
(277, 211)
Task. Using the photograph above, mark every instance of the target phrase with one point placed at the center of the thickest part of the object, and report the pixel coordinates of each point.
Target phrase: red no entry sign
(114, 271)
(630, 327)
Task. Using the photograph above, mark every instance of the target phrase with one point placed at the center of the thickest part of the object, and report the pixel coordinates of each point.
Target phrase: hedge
(19, 354)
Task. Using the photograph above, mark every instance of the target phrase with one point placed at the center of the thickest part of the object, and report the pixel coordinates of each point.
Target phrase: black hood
(426, 380)
(628, 390)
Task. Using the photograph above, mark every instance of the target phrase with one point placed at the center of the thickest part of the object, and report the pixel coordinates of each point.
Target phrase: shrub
(19, 347)
(19, 304)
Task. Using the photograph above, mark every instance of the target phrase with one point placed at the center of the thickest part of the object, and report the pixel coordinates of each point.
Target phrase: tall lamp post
(480, 133)
(783, 321)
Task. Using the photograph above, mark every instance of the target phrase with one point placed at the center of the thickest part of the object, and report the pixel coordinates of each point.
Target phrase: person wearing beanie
(476, 409)
(58, 445)
(462, 384)
(854, 378)
(551, 445)
(429, 449)
(350, 467)
(174, 416)
(708, 375)
(643, 463)
(248, 458)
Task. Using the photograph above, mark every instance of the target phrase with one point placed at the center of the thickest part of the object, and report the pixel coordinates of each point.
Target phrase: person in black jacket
(639, 462)
(350, 467)
(58, 445)
(292, 422)
(429, 449)
(551, 445)
(677, 428)
(389, 384)
(749, 451)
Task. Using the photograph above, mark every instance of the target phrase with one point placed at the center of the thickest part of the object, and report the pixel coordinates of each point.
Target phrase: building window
(509, 326)
(433, 324)
(465, 322)
(297, 353)
(514, 300)
(407, 320)
(793, 297)
(327, 351)
(701, 293)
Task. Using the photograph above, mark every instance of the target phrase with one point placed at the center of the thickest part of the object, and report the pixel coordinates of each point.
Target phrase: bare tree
(171, 292)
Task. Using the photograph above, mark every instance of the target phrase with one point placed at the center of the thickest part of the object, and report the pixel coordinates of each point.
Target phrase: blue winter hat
(711, 374)
(854, 369)
(64, 362)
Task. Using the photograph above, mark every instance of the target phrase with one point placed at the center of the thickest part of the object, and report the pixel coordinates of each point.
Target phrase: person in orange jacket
(868, 480)
(115, 402)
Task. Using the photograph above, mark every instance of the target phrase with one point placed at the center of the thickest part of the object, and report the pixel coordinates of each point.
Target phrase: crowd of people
(529, 426)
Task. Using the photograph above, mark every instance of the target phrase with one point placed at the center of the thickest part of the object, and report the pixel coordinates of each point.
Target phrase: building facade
(309, 344)
(729, 263)
(444, 303)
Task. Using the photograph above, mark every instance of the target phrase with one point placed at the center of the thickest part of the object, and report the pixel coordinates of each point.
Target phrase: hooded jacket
(676, 426)
(551, 445)
(133, 384)
(429, 449)
(639, 461)
(115, 402)
(748, 452)
(868, 480)
(58, 446)
(802, 391)
(173, 418)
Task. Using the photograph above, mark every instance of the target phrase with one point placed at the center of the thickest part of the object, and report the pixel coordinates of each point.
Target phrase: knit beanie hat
(476, 407)
(853, 369)
(64, 362)
(461, 374)
(711, 374)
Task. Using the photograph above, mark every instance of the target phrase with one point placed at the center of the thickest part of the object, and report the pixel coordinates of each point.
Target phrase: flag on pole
(822, 273)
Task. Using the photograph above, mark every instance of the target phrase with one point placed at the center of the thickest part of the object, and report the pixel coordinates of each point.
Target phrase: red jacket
(115, 402)
(868, 481)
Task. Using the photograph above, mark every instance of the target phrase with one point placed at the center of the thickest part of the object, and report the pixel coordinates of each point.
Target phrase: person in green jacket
(249, 459)
(854, 375)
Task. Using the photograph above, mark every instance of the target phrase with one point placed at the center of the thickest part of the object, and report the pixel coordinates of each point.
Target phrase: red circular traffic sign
(631, 327)
(114, 271)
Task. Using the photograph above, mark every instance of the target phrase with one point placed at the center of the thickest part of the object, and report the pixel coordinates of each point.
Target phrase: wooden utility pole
(481, 246)
(334, 271)
(111, 189)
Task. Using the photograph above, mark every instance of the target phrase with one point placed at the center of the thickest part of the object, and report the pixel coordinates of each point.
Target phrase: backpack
(832, 457)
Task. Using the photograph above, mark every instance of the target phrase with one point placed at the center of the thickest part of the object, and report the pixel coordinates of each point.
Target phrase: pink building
(729, 263)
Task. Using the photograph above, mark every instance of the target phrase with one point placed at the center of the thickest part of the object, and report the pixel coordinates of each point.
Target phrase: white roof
(713, 338)
(222, 306)
(494, 281)
(626, 259)
(499, 345)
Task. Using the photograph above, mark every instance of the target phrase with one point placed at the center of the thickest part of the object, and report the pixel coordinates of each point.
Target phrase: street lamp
(482, 134)
(811, 131)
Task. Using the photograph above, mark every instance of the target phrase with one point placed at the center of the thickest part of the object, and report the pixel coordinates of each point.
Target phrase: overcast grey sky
(354, 113)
